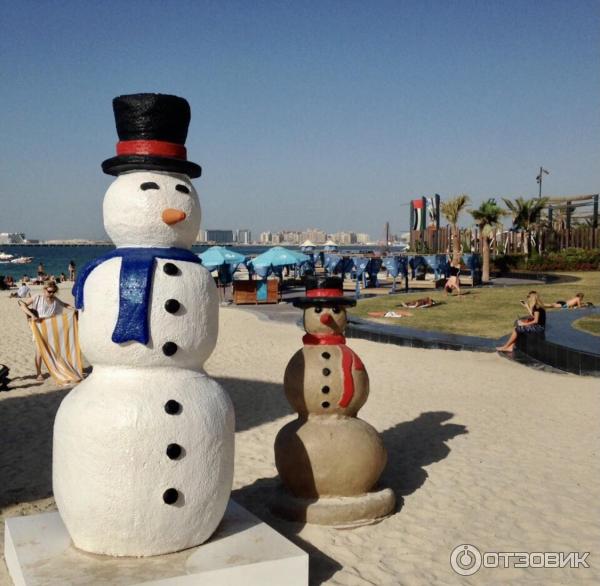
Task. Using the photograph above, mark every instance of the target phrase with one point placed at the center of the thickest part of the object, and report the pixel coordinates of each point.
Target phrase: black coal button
(169, 348)
(170, 269)
(172, 305)
(172, 407)
(174, 451)
(170, 496)
(325, 389)
(325, 404)
(326, 371)
(326, 355)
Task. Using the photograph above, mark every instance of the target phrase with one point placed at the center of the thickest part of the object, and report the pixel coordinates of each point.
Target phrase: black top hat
(152, 129)
(323, 291)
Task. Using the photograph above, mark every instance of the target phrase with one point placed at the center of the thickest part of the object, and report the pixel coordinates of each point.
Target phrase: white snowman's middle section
(143, 448)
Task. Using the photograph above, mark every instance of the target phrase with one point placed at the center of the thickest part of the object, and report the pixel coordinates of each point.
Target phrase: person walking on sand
(41, 271)
(39, 308)
(71, 270)
(535, 324)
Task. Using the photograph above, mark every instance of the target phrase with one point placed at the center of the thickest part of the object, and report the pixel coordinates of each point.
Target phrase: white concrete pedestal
(243, 550)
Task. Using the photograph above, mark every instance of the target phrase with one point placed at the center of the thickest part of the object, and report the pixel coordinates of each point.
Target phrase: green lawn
(590, 324)
(484, 311)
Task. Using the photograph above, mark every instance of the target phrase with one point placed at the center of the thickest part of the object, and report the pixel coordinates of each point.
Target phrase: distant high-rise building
(315, 235)
(291, 236)
(265, 237)
(344, 237)
(12, 238)
(220, 236)
(362, 238)
(244, 236)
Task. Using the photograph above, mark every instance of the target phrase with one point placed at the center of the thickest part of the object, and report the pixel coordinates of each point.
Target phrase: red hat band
(153, 148)
(325, 293)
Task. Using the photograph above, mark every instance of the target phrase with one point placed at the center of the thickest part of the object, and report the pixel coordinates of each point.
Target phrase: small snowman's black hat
(323, 291)
(152, 129)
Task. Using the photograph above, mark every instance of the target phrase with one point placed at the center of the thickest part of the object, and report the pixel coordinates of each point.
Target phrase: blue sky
(327, 114)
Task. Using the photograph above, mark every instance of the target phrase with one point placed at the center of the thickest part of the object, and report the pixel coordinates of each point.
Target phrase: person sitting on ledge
(535, 324)
(572, 303)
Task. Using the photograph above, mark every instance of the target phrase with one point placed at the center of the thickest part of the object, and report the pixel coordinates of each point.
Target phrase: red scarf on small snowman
(349, 360)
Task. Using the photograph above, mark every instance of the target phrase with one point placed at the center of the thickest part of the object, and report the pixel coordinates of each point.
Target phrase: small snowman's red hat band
(323, 290)
(325, 293)
(154, 148)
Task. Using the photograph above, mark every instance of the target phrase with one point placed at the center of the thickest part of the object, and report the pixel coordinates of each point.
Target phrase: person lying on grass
(420, 303)
(572, 303)
(535, 324)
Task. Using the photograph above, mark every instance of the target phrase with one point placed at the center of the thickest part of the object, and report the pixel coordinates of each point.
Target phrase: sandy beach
(481, 451)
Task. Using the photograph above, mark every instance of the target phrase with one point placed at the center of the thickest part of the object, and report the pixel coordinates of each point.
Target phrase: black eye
(182, 188)
(318, 309)
(149, 185)
(336, 309)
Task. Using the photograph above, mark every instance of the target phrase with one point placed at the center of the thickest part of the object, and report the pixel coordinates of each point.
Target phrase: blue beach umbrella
(277, 257)
(217, 256)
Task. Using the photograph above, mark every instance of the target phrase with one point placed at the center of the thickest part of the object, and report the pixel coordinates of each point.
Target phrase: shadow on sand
(26, 424)
(411, 446)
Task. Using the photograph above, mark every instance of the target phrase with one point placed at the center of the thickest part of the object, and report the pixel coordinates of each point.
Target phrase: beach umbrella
(217, 256)
(277, 257)
(360, 266)
(395, 266)
(331, 263)
(330, 246)
(307, 246)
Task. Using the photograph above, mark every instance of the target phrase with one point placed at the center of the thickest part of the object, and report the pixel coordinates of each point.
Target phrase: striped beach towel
(57, 343)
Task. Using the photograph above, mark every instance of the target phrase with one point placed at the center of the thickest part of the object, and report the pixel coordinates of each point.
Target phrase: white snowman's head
(153, 209)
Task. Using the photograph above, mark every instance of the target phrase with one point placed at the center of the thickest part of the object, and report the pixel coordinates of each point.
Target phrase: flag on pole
(57, 342)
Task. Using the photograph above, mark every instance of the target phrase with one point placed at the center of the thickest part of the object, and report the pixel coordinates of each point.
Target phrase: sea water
(56, 258)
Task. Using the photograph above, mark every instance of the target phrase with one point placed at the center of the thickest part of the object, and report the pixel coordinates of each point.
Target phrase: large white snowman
(143, 448)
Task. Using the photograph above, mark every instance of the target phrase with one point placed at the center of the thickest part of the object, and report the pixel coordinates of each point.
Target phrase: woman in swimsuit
(535, 324)
(572, 303)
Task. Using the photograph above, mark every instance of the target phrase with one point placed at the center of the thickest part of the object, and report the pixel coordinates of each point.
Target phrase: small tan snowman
(328, 459)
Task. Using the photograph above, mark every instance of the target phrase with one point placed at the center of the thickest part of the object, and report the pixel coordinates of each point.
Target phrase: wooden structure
(566, 222)
(256, 291)
(432, 241)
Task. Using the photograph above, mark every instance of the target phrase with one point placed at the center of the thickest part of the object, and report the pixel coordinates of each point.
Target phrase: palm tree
(452, 210)
(526, 216)
(487, 217)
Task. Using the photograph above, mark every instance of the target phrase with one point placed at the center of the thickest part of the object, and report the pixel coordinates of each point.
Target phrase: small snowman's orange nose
(172, 216)
(326, 319)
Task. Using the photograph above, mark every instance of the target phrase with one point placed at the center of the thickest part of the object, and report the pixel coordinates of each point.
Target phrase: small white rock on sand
(481, 451)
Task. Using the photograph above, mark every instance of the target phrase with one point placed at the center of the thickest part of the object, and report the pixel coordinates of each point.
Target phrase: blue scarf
(135, 281)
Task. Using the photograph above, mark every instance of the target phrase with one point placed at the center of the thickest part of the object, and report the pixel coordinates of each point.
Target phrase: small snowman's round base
(342, 512)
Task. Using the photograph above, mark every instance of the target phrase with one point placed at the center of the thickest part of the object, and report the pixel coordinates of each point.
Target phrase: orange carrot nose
(326, 319)
(171, 216)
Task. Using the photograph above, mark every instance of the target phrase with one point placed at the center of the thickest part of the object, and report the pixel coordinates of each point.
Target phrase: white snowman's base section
(244, 550)
(111, 467)
(342, 512)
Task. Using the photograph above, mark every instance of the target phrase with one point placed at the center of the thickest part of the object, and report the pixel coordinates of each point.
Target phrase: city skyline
(315, 114)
